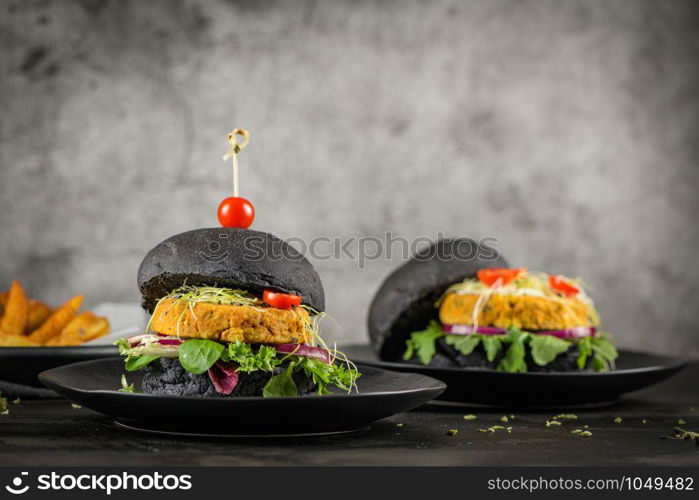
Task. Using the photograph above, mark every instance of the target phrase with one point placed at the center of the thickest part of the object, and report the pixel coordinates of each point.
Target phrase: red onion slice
(569, 333)
(468, 330)
(305, 351)
(224, 377)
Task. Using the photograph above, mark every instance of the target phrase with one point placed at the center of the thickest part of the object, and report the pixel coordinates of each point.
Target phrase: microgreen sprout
(470, 417)
(125, 386)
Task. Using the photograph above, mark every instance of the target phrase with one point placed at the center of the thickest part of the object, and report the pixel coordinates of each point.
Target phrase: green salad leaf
(605, 352)
(584, 352)
(514, 360)
(513, 348)
(491, 345)
(135, 363)
(545, 348)
(422, 343)
(198, 355)
(281, 385)
(265, 359)
(465, 344)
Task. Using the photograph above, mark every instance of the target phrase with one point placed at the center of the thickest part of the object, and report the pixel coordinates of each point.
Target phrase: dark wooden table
(54, 433)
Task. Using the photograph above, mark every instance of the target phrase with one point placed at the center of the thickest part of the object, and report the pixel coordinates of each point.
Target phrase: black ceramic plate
(381, 394)
(478, 386)
(22, 365)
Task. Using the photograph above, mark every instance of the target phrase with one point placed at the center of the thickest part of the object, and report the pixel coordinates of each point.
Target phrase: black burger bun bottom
(228, 258)
(405, 301)
(166, 377)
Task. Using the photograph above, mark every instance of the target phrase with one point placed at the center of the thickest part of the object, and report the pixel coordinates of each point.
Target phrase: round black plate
(381, 394)
(478, 386)
(22, 365)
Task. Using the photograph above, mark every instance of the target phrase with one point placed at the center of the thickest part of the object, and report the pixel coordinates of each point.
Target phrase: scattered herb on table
(399, 425)
(681, 421)
(618, 420)
(75, 406)
(549, 423)
(504, 419)
(565, 416)
(684, 435)
(491, 429)
(470, 417)
(452, 432)
(645, 421)
(16, 401)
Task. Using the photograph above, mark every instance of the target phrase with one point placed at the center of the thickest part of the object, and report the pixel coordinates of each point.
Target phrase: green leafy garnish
(198, 355)
(605, 352)
(491, 345)
(422, 343)
(514, 347)
(134, 363)
(465, 344)
(324, 374)
(514, 360)
(248, 361)
(545, 348)
(281, 385)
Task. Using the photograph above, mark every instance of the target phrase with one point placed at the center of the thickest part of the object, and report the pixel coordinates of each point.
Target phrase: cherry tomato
(281, 300)
(236, 212)
(563, 286)
(499, 276)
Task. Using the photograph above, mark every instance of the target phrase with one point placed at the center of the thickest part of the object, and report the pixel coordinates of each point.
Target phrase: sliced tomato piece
(281, 300)
(563, 286)
(496, 276)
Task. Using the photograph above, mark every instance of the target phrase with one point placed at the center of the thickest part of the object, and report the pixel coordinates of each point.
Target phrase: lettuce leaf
(545, 348)
(198, 355)
(422, 343)
(465, 344)
(514, 360)
(281, 385)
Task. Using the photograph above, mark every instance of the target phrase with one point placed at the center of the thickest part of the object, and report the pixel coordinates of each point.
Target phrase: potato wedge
(58, 320)
(16, 341)
(83, 328)
(16, 314)
(38, 313)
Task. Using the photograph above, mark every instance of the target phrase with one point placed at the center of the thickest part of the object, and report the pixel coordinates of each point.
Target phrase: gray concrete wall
(566, 129)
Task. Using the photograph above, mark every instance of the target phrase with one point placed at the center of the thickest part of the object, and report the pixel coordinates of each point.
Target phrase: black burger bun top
(405, 301)
(228, 258)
